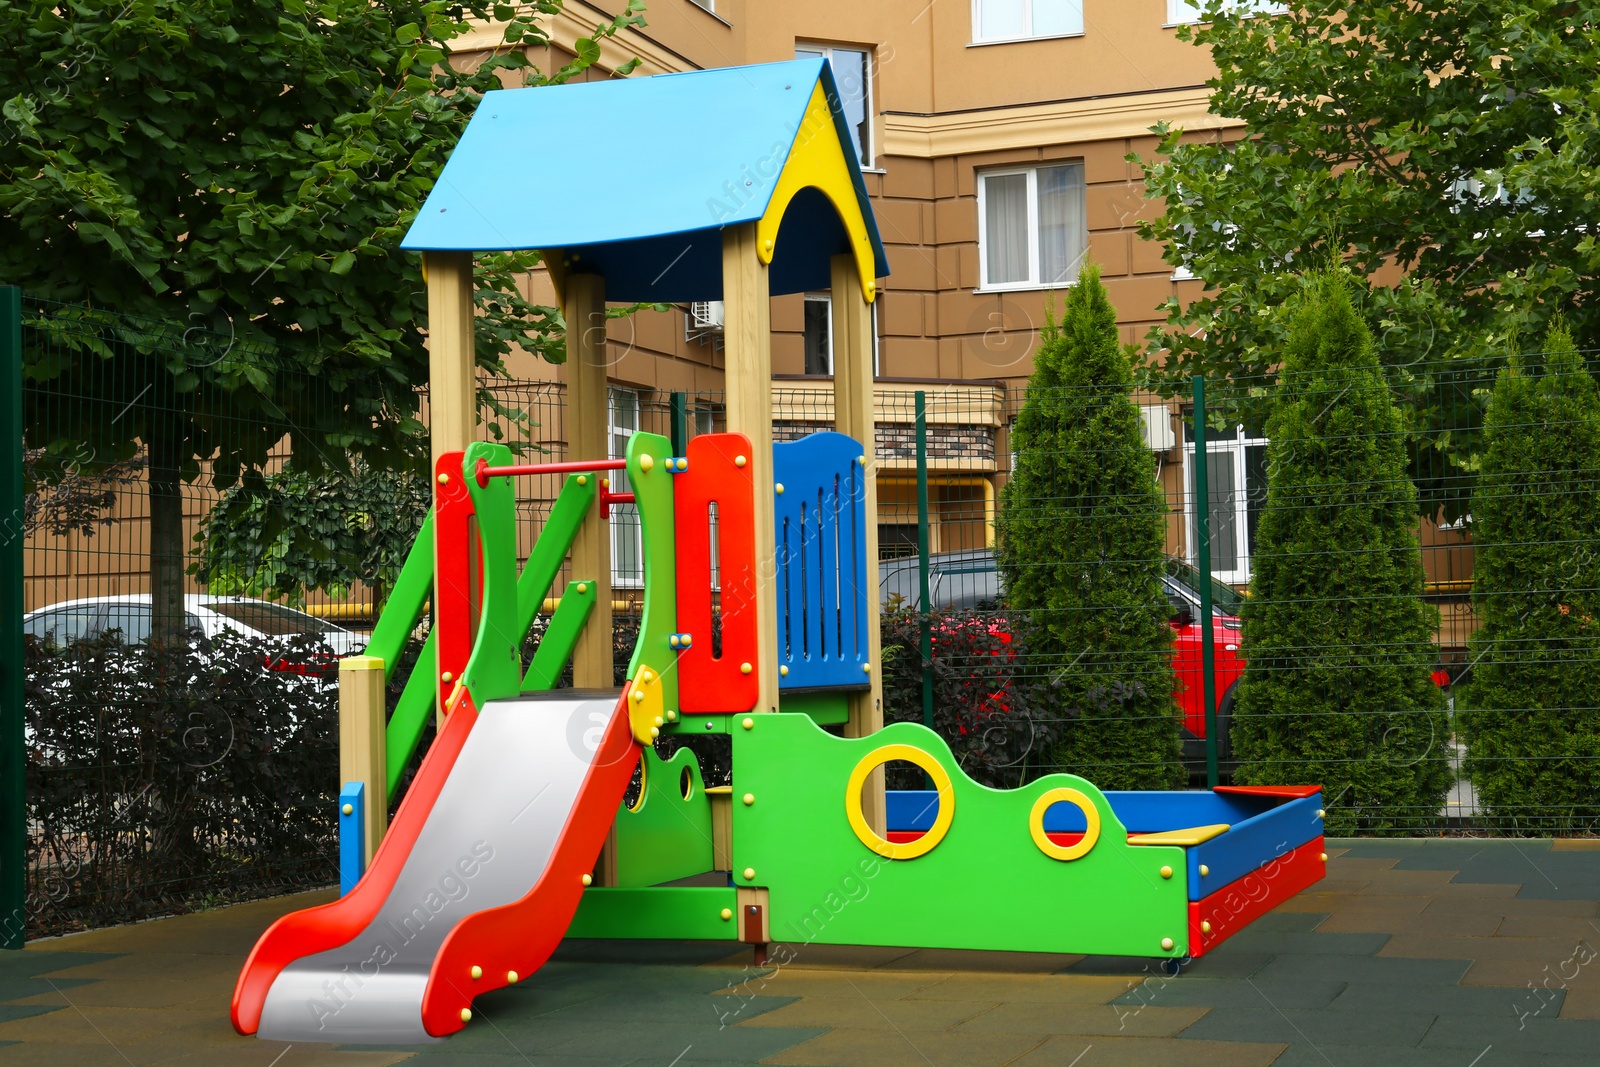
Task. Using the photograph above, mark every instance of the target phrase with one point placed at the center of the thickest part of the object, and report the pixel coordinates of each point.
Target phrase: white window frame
(1033, 280)
(869, 150)
(1234, 445)
(827, 298)
(1187, 12)
(617, 434)
(979, 39)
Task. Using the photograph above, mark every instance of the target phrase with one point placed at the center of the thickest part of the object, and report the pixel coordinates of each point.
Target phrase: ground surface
(1456, 953)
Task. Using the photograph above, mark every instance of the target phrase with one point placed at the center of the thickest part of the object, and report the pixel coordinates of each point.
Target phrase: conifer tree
(1082, 529)
(1337, 688)
(1533, 726)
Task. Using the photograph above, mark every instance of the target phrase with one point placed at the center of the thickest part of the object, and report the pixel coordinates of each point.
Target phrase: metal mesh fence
(1400, 573)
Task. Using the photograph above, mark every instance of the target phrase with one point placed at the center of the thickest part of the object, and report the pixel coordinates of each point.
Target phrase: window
(63, 626)
(1189, 10)
(1236, 480)
(1017, 20)
(627, 550)
(819, 334)
(1032, 232)
(852, 71)
(274, 619)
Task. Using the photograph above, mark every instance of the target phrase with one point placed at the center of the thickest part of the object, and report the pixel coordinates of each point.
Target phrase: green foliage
(1082, 528)
(245, 171)
(1533, 731)
(285, 534)
(1337, 689)
(1456, 142)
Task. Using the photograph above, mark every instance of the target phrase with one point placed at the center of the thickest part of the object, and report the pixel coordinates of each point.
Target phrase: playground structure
(513, 832)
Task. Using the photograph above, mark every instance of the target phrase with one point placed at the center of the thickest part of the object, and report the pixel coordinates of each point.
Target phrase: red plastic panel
(1243, 901)
(521, 936)
(710, 684)
(304, 933)
(453, 594)
(1270, 790)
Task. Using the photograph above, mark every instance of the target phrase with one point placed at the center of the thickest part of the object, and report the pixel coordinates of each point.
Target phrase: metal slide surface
(488, 838)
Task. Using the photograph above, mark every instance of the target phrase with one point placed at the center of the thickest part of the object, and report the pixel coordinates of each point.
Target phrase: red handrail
(485, 472)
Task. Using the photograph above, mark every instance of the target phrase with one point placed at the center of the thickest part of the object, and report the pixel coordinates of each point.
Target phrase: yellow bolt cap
(447, 676)
(511, 978)
(1205, 926)
(749, 799)
(477, 972)
(673, 640)
(867, 667)
(659, 720)
(583, 479)
(672, 716)
(583, 587)
(783, 669)
(1324, 857)
(744, 668)
(655, 732)
(466, 1015)
(778, 488)
(1166, 944)
(605, 483)
(645, 676)
(1320, 813)
(727, 913)
(349, 809)
(638, 694)
(646, 461)
(749, 874)
(1204, 870)
(1166, 872)
(588, 879)
(739, 461)
(749, 723)
(444, 479)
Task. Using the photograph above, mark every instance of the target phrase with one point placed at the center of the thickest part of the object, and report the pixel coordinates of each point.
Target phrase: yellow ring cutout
(908, 850)
(1091, 815)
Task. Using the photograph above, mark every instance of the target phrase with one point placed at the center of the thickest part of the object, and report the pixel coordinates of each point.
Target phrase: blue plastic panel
(352, 836)
(821, 526)
(1254, 843)
(1141, 812)
(654, 232)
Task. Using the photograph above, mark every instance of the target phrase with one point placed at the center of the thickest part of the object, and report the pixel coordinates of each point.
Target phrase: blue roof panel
(699, 151)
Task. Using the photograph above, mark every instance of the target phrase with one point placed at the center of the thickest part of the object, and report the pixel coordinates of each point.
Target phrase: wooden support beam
(362, 725)
(587, 438)
(747, 340)
(853, 415)
(452, 366)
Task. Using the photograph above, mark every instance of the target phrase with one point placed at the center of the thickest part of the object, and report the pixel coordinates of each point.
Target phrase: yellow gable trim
(817, 160)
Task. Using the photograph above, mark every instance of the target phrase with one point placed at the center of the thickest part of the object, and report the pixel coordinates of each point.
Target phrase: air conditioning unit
(1158, 434)
(706, 314)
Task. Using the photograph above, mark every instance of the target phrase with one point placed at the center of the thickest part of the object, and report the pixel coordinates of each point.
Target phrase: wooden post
(747, 337)
(361, 740)
(853, 415)
(452, 367)
(588, 424)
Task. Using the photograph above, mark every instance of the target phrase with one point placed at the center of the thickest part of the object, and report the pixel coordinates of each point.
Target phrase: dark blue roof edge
(830, 90)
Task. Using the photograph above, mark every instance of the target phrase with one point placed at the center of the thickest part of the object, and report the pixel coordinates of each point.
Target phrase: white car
(79, 620)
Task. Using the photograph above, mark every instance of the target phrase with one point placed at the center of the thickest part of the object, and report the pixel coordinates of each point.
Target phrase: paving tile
(1291, 1025)
(34, 961)
(1142, 1052)
(1511, 1035)
(1302, 1054)
(1047, 989)
(876, 984)
(836, 957)
(921, 1048)
(1438, 999)
(1517, 924)
(1575, 844)
(148, 993)
(649, 1035)
(1090, 1019)
(967, 960)
(1324, 944)
(1232, 993)
(1389, 970)
(865, 1013)
(1422, 947)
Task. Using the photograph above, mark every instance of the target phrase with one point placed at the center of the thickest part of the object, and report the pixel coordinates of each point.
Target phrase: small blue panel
(821, 526)
(910, 810)
(703, 151)
(352, 836)
(1254, 843)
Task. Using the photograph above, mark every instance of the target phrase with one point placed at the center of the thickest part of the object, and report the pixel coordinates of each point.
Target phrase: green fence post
(1202, 554)
(922, 558)
(13, 760)
(680, 423)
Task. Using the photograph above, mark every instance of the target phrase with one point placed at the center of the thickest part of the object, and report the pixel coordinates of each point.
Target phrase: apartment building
(993, 137)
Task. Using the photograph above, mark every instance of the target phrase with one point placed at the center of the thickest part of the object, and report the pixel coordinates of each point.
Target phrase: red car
(967, 580)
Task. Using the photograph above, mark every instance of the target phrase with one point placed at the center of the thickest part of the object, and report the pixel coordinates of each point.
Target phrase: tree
(1337, 688)
(234, 180)
(1082, 528)
(281, 535)
(1533, 728)
(1444, 153)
